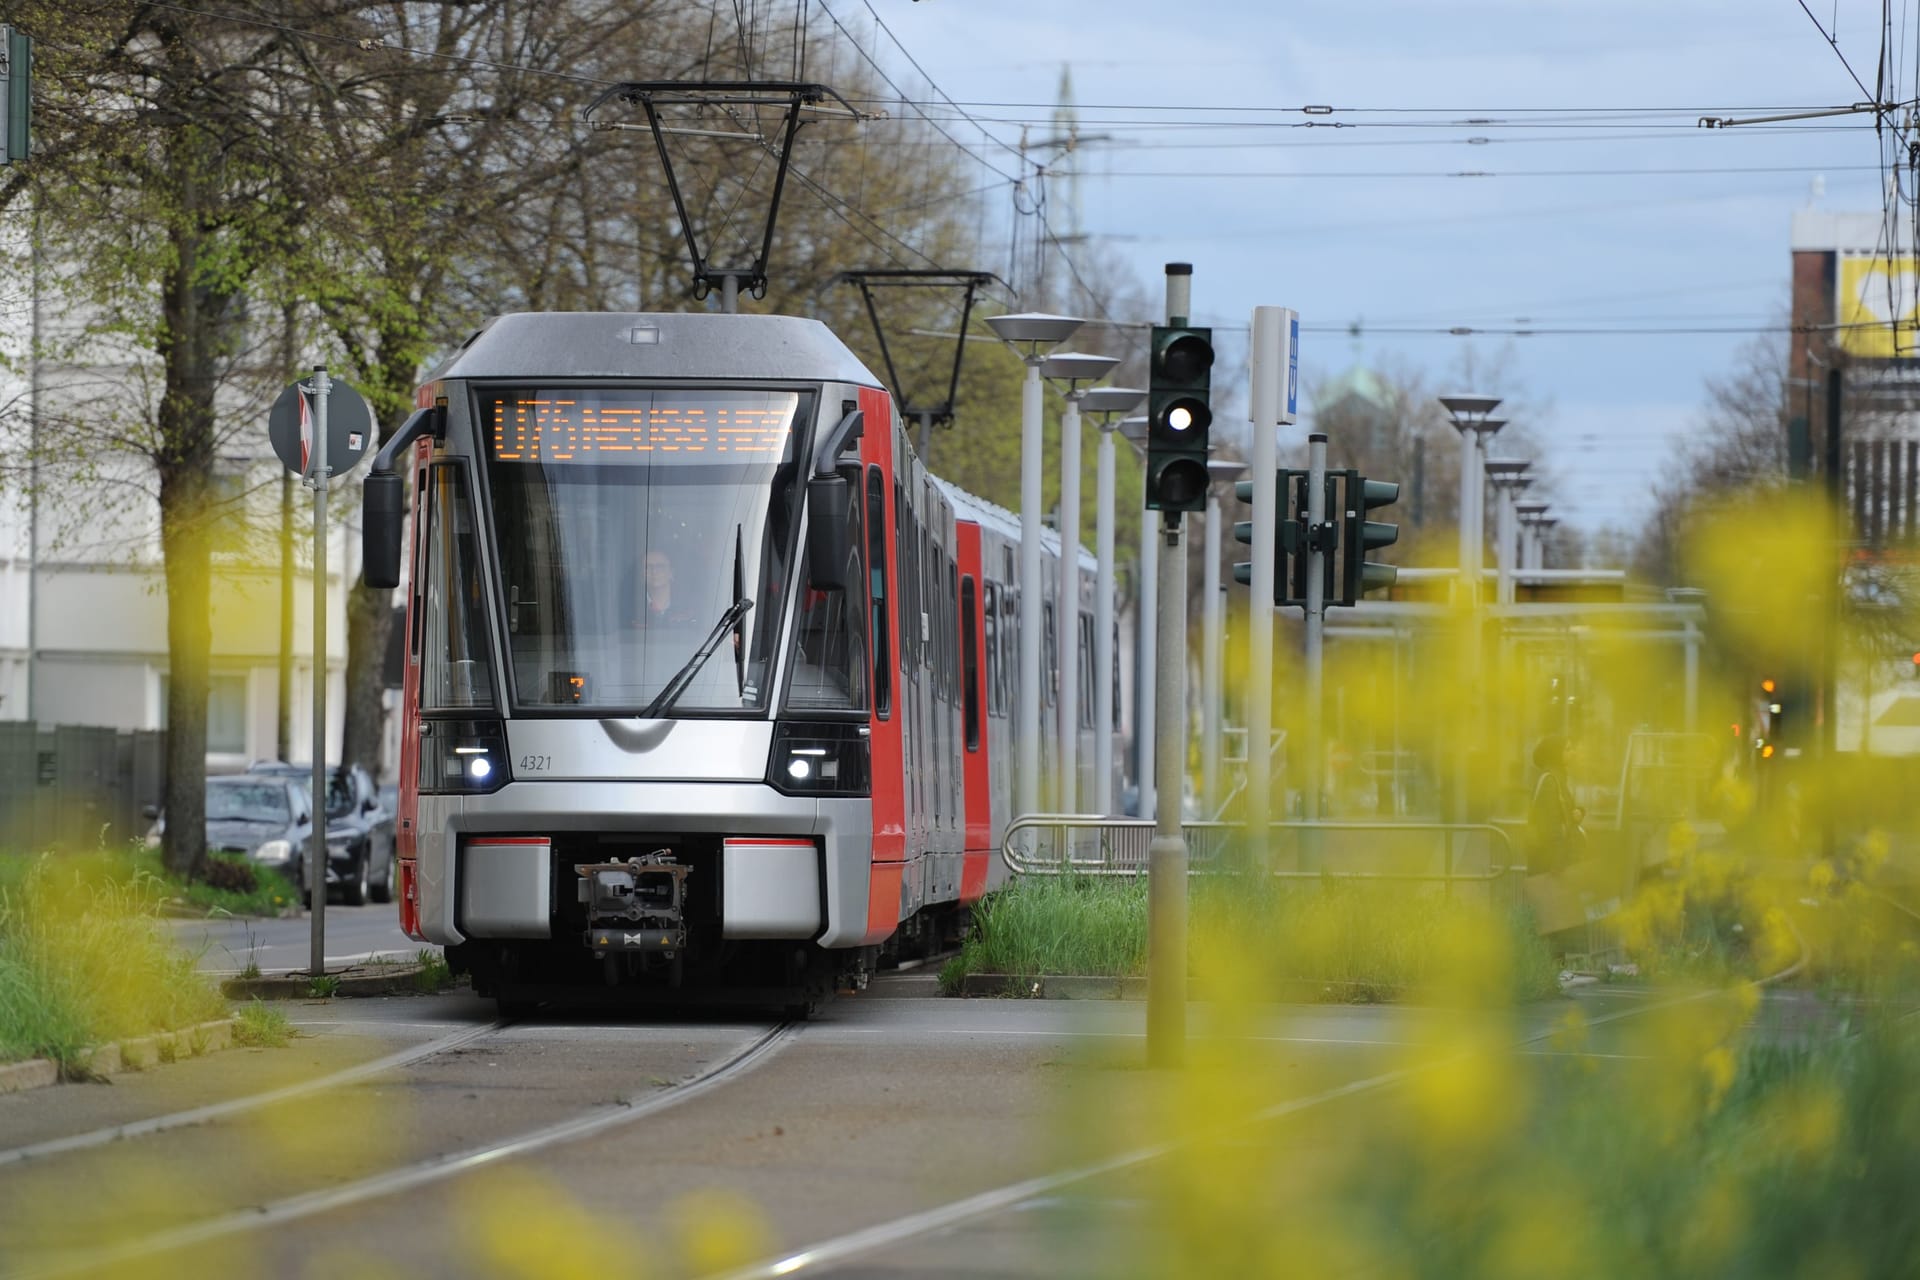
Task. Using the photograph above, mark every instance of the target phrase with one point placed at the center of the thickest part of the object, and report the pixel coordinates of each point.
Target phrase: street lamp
(1031, 336)
(1472, 417)
(1507, 476)
(1146, 641)
(1071, 368)
(1105, 402)
(1213, 620)
(1529, 514)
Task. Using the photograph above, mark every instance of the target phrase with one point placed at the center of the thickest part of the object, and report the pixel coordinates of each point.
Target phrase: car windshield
(628, 521)
(246, 801)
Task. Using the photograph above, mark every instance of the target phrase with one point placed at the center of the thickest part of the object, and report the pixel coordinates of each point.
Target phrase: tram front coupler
(635, 905)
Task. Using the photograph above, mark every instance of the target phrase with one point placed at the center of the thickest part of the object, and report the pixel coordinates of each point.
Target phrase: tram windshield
(629, 521)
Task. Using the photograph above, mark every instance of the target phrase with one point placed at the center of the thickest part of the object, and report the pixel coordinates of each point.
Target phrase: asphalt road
(889, 1136)
(227, 945)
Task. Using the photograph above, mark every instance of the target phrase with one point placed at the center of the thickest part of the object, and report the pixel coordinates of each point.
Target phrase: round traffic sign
(290, 426)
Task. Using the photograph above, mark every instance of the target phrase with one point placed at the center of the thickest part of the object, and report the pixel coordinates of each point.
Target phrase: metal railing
(1082, 844)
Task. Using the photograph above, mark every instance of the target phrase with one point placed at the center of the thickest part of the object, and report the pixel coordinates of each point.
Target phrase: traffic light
(1359, 535)
(1289, 535)
(1178, 418)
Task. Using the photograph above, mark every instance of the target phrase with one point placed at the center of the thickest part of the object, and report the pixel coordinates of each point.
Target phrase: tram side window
(877, 573)
(970, 661)
(1010, 644)
(991, 618)
(1050, 655)
(456, 668)
(830, 660)
(1086, 671)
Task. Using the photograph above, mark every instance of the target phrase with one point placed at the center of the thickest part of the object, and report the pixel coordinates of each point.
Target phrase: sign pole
(317, 855)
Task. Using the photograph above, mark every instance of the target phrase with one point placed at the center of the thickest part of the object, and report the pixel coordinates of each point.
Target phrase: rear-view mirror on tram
(382, 523)
(829, 531)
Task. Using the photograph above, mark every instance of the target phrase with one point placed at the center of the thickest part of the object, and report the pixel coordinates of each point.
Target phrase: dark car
(360, 830)
(266, 820)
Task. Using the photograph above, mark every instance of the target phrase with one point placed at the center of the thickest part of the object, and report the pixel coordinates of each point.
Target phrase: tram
(709, 687)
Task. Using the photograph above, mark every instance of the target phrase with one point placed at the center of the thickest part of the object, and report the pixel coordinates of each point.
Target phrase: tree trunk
(369, 623)
(184, 544)
(193, 317)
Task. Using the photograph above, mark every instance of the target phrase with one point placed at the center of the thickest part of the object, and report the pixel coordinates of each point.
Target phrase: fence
(71, 783)
(1446, 854)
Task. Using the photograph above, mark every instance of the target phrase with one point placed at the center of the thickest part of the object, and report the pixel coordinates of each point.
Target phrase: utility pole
(317, 856)
(1271, 401)
(1836, 486)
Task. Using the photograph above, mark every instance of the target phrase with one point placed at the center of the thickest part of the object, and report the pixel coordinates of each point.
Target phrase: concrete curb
(122, 1055)
(1062, 986)
(389, 980)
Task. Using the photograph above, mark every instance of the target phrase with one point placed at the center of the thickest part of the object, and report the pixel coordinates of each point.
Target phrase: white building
(83, 607)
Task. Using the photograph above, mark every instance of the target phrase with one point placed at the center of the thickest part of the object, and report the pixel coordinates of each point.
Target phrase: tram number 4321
(535, 764)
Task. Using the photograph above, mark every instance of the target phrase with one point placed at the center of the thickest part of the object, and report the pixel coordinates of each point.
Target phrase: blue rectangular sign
(1293, 367)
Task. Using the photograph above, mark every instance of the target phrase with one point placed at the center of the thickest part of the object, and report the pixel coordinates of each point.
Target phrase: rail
(1083, 844)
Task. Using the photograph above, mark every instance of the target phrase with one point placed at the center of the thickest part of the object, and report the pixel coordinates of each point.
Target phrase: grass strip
(1358, 942)
(84, 958)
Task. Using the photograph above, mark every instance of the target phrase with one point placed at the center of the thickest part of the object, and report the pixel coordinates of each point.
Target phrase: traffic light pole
(1167, 855)
(1316, 633)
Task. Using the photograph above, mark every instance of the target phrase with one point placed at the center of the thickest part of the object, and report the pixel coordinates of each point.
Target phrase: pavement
(842, 1148)
(225, 945)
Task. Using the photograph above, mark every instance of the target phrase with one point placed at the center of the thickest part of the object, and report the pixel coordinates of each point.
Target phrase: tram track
(213, 1112)
(430, 1169)
(866, 1241)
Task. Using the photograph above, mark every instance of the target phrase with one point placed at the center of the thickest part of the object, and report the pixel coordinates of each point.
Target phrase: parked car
(361, 852)
(266, 820)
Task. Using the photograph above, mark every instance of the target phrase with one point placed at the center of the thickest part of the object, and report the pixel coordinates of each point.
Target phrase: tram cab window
(829, 667)
(456, 662)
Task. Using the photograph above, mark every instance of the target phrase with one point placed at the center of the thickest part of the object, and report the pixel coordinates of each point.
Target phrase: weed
(252, 970)
(435, 974)
(262, 1027)
(323, 987)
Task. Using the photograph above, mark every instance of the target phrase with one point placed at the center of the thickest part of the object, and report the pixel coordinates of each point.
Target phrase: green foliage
(84, 958)
(323, 987)
(261, 1026)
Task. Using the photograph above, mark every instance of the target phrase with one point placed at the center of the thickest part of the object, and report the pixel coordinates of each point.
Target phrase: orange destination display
(646, 428)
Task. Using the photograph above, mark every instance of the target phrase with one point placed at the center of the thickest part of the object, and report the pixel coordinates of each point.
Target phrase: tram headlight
(463, 757)
(824, 758)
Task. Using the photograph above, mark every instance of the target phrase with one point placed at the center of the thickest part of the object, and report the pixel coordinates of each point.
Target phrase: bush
(229, 875)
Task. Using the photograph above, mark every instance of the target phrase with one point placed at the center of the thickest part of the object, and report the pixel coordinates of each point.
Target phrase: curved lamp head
(1507, 472)
(1076, 366)
(1531, 510)
(1469, 406)
(1108, 399)
(1135, 430)
(1033, 329)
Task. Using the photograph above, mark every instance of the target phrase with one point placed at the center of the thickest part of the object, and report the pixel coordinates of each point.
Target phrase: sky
(1611, 215)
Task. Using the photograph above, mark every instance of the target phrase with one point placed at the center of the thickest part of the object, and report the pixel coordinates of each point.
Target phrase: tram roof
(614, 344)
(991, 515)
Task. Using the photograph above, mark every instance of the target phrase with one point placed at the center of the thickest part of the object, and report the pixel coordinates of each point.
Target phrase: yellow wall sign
(1879, 307)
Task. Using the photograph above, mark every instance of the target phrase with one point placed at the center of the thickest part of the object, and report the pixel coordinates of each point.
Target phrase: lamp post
(1030, 335)
(1529, 514)
(1472, 416)
(1507, 476)
(1071, 368)
(1145, 643)
(1105, 403)
(1213, 618)
(1542, 527)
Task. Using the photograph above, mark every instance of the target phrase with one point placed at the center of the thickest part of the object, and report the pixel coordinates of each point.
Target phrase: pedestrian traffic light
(1359, 535)
(1178, 417)
(1243, 532)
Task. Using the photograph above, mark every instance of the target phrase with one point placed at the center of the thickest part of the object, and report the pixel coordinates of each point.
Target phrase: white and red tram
(710, 687)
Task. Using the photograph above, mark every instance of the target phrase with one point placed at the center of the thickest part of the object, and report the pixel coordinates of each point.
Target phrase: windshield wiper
(684, 676)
